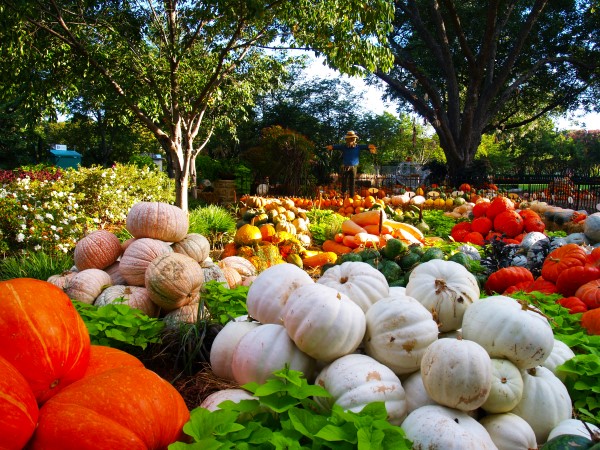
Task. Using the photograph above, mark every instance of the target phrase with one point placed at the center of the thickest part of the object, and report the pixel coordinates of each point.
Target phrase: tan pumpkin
(173, 280)
(138, 256)
(87, 285)
(116, 277)
(234, 279)
(157, 220)
(239, 263)
(97, 250)
(61, 279)
(194, 245)
(185, 314)
(133, 296)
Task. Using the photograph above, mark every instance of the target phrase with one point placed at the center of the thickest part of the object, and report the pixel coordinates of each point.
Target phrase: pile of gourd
(160, 271)
(454, 370)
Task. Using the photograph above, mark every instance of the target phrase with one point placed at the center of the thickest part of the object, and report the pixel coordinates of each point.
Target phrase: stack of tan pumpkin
(160, 271)
(454, 370)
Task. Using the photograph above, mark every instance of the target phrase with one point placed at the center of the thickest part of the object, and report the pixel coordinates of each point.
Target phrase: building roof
(66, 153)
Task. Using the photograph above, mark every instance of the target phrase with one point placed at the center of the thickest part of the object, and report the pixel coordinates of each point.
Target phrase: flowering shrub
(52, 215)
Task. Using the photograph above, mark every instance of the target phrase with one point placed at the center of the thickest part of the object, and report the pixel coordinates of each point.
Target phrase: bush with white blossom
(52, 215)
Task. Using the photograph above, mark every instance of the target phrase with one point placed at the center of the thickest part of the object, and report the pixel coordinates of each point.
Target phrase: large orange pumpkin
(589, 293)
(499, 205)
(42, 335)
(572, 278)
(104, 358)
(590, 320)
(18, 408)
(123, 408)
(506, 277)
(560, 259)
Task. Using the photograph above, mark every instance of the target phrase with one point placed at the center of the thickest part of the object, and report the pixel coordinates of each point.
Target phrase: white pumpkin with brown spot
(356, 380)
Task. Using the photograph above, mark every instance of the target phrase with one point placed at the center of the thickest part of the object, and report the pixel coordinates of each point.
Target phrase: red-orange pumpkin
(480, 208)
(482, 225)
(498, 205)
(474, 237)
(572, 278)
(123, 408)
(590, 320)
(589, 293)
(460, 230)
(534, 224)
(42, 335)
(97, 250)
(573, 304)
(542, 285)
(502, 279)
(560, 259)
(104, 358)
(509, 223)
(18, 408)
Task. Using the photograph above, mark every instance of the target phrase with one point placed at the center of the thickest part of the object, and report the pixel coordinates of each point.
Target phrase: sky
(373, 96)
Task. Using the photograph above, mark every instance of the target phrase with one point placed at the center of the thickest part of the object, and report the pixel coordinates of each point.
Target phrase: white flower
(23, 226)
(26, 208)
(20, 237)
(37, 247)
(39, 217)
(49, 216)
(53, 227)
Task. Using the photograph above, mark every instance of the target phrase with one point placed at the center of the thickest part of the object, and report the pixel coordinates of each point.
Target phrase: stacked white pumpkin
(160, 271)
(494, 387)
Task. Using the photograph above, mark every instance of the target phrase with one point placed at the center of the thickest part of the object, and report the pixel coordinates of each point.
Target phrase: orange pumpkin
(502, 279)
(498, 205)
(480, 208)
(589, 293)
(104, 358)
(122, 408)
(460, 230)
(562, 258)
(482, 225)
(42, 335)
(18, 408)
(508, 222)
(572, 278)
(590, 320)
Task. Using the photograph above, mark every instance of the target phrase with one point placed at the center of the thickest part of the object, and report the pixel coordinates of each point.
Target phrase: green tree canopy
(472, 67)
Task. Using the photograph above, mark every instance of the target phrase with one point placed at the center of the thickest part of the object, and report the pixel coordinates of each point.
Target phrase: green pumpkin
(394, 248)
(369, 253)
(354, 257)
(432, 253)
(570, 441)
(409, 260)
(390, 270)
(462, 259)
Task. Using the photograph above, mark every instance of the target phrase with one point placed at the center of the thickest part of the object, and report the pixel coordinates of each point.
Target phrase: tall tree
(184, 67)
(472, 67)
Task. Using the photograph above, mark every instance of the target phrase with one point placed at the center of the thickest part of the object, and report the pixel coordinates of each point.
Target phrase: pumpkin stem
(594, 435)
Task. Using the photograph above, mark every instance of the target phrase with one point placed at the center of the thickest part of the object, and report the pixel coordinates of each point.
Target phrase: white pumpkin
(591, 227)
(509, 431)
(360, 281)
(221, 351)
(446, 288)
(213, 401)
(507, 387)
(270, 290)
(356, 380)
(560, 354)
(438, 427)
(264, 350)
(416, 394)
(507, 329)
(399, 330)
(457, 373)
(545, 402)
(575, 427)
(316, 314)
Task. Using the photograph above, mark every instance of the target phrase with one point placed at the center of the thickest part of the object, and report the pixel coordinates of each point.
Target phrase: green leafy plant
(119, 326)
(286, 416)
(582, 371)
(439, 224)
(38, 265)
(324, 224)
(223, 303)
(214, 222)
